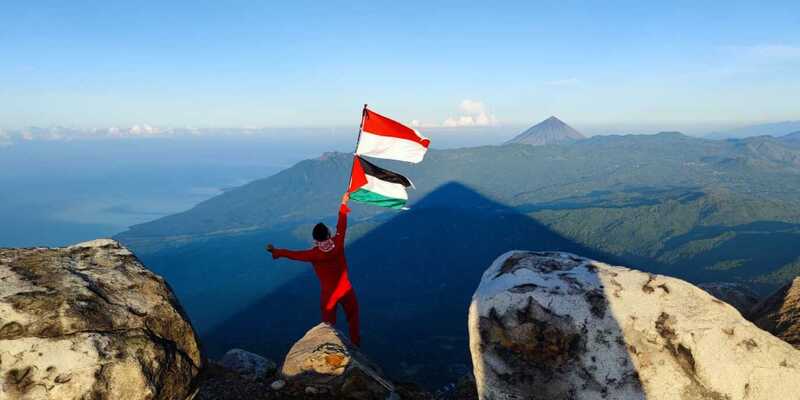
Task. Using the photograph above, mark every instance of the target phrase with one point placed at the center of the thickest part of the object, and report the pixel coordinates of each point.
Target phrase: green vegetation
(697, 209)
(727, 265)
(665, 202)
(782, 275)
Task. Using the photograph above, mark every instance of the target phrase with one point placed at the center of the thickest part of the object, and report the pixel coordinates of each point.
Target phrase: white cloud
(65, 134)
(143, 130)
(472, 113)
(471, 106)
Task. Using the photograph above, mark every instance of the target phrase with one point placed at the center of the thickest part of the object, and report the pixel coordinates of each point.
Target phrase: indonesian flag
(382, 137)
(374, 185)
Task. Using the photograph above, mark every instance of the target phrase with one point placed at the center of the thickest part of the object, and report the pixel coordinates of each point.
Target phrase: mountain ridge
(775, 129)
(791, 136)
(698, 209)
(300, 194)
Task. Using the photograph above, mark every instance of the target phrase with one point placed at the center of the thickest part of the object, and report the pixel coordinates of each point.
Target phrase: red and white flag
(382, 137)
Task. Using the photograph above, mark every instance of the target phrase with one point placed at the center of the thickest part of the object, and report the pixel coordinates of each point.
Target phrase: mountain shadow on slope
(414, 276)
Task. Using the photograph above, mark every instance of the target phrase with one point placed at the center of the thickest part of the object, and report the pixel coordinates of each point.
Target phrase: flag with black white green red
(370, 184)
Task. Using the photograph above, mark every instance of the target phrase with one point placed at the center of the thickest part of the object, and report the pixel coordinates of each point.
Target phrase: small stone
(248, 365)
(311, 390)
(325, 359)
(278, 385)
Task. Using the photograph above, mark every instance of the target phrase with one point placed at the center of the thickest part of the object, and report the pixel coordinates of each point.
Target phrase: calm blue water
(58, 193)
(55, 193)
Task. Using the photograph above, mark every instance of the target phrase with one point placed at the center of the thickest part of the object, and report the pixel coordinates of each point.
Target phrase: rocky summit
(549, 131)
(90, 322)
(551, 325)
(325, 360)
(321, 365)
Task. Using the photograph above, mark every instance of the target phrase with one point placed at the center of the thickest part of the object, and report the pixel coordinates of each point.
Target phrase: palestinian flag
(382, 137)
(374, 185)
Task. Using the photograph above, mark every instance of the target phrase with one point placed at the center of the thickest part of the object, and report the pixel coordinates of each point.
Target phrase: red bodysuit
(331, 269)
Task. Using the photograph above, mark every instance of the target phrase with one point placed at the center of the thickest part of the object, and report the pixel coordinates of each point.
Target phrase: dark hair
(321, 232)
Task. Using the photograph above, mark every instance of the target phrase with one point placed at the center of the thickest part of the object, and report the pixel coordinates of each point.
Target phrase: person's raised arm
(341, 223)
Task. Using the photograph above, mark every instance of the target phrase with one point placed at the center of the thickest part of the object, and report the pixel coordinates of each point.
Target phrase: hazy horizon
(500, 131)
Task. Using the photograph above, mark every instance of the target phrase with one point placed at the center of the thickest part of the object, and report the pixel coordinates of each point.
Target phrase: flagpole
(361, 126)
(358, 141)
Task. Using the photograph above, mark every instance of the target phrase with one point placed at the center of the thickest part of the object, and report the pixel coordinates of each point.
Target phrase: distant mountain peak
(550, 131)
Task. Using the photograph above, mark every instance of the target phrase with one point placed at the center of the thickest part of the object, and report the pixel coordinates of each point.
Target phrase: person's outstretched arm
(297, 255)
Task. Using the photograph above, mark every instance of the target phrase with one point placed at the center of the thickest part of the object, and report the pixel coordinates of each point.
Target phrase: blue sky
(606, 65)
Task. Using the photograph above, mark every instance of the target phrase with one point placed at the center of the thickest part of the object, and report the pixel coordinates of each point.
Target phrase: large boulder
(90, 322)
(550, 325)
(325, 360)
(738, 295)
(780, 313)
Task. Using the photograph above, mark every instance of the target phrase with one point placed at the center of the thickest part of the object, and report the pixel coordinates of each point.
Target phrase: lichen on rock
(551, 325)
(90, 321)
(324, 358)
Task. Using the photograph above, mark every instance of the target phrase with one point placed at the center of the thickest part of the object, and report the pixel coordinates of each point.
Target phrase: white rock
(278, 385)
(248, 365)
(551, 325)
(311, 390)
(89, 321)
(110, 245)
(325, 358)
(96, 243)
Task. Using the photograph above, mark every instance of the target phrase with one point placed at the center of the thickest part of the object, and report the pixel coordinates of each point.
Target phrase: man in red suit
(327, 257)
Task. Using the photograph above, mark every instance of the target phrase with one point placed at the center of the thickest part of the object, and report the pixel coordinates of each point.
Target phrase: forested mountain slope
(698, 209)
